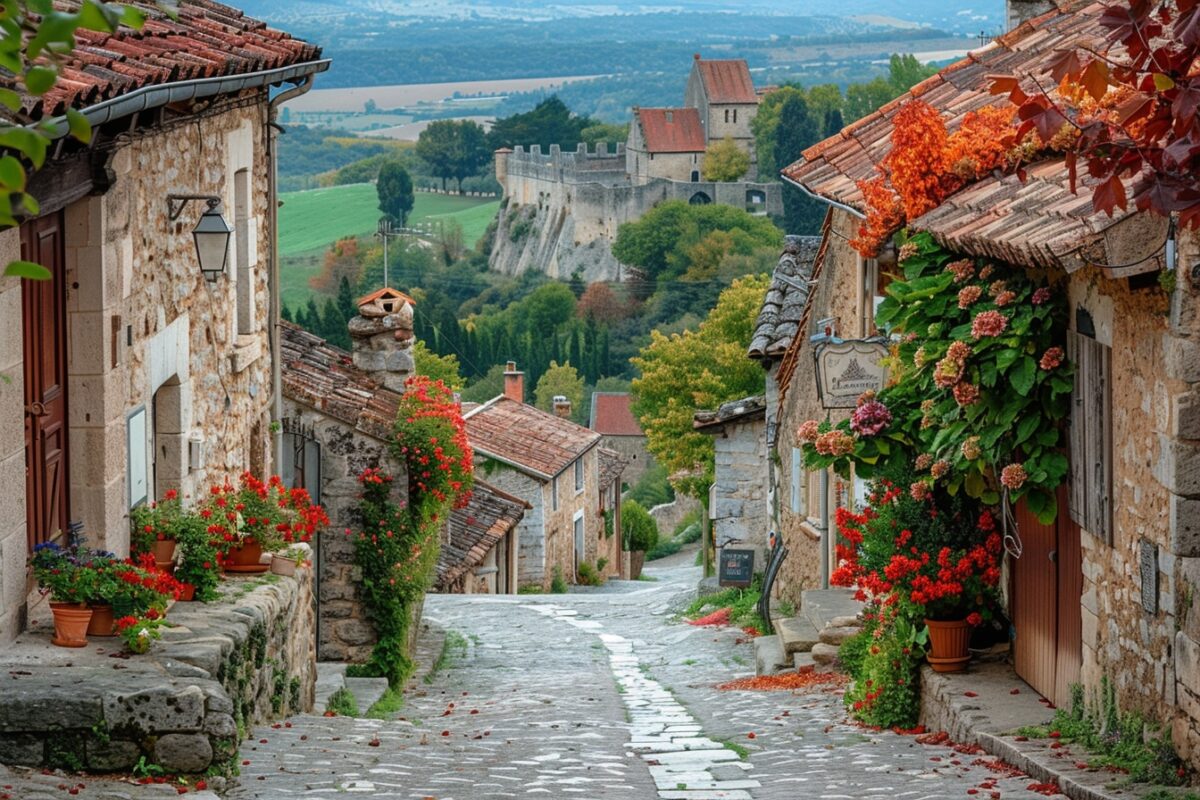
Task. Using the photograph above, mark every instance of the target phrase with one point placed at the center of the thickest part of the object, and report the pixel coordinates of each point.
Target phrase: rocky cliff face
(547, 239)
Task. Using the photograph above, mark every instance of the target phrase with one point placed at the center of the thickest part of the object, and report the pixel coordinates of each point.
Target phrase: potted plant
(285, 563)
(197, 566)
(70, 585)
(155, 528)
(639, 532)
(139, 633)
(256, 517)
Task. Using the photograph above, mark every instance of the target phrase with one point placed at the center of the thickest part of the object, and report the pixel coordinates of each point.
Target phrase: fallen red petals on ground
(374, 742)
(785, 681)
(1015, 691)
(970, 694)
(1055, 734)
(914, 731)
(968, 749)
(940, 737)
(751, 735)
(752, 631)
(1001, 768)
(1048, 789)
(718, 617)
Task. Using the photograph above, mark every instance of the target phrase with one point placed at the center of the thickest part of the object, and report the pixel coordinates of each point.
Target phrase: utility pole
(385, 232)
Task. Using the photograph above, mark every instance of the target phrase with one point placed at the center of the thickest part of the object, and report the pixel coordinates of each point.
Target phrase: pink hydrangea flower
(968, 295)
(939, 469)
(924, 460)
(870, 419)
(966, 394)
(1052, 358)
(1041, 296)
(988, 323)
(1013, 476)
(808, 431)
(1005, 298)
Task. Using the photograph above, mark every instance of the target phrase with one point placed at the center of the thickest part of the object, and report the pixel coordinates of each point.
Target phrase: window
(735, 116)
(301, 467)
(727, 115)
(554, 493)
(245, 271)
(798, 481)
(870, 294)
(578, 475)
(1091, 433)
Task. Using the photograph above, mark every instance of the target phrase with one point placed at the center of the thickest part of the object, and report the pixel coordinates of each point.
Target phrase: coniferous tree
(796, 132)
(286, 313)
(833, 122)
(574, 354)
(345, 299)
(333, 325)
(312, 317)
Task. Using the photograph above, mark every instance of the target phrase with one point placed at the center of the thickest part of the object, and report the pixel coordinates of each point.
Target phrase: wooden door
(1047, 617)
(44, 340)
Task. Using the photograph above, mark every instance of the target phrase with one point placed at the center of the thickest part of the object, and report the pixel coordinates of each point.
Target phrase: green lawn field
(310, 221)
(318, 217)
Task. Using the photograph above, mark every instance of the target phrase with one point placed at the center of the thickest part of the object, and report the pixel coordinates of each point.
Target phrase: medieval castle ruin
(561, 210)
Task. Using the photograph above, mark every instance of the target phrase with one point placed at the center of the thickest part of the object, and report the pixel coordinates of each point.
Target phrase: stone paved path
(604, 694)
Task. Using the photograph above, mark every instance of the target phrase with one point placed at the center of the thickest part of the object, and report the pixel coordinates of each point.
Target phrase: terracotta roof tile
(474, 529)
(1038, 222)
(786, 298)
(527, 437)
(727, 81)
(207, 39)
(612, 414)
(671, 130)
(323, 377)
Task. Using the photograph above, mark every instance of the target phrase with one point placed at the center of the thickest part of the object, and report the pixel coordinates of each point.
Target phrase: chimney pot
(562, 406)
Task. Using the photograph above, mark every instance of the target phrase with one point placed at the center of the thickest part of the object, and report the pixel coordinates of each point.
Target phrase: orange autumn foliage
(927, 164)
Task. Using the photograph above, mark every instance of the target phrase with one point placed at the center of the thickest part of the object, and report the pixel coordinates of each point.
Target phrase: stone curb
(1087, 785)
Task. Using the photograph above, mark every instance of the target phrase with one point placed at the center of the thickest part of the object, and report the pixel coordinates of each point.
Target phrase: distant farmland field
(319, 217)
(310, 221)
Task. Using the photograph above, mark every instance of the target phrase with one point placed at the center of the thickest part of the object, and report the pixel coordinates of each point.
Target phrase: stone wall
(531, 530)
(222, 669)
(638, 458)
(561, 211)
(668, 515)
(560, 535)
(148, 336)
(740, 498)
(806, 534)
(343, 630)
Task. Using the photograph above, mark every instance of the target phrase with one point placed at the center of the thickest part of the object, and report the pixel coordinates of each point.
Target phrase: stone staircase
(811, 638)
(332, 676)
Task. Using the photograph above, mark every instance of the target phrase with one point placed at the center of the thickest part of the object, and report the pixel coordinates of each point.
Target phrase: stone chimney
(514, 383)
(1020, 11)
(381, 337)
(562, 406)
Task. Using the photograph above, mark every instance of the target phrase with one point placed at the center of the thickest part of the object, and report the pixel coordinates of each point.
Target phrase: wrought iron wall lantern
(211, 234)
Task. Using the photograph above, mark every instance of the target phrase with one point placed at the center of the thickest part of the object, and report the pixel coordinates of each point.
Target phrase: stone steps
(330, 677)
(824, 606)
(366, 691)
(824, 657)
(797, 634)
(769, 655)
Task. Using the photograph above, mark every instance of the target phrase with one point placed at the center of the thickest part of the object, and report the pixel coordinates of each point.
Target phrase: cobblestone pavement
(604, 694)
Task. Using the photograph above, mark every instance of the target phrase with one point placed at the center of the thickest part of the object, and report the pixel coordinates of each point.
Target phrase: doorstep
(1000, 704)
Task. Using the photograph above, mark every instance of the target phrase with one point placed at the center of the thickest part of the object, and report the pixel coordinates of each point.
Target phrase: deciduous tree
(725, 161)
(395, 190)
(559, 379)
(437, 368)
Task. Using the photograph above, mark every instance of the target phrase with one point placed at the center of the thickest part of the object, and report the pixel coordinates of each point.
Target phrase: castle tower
(501, 156)
(381, 336)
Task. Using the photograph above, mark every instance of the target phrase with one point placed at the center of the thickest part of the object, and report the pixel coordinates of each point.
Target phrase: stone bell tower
(382, 336)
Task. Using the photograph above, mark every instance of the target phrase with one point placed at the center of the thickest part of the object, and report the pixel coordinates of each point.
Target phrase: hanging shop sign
(846, 369)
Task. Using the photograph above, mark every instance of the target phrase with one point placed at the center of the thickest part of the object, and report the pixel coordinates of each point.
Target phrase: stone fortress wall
(561, 210)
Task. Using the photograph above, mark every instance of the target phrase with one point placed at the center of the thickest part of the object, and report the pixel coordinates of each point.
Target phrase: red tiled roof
(473, 530)
(727, 81)
(672, 130)
(324, 377)
(387, 293)
(1039, 222)
(208, 39)
(527, 437)
(612, 414)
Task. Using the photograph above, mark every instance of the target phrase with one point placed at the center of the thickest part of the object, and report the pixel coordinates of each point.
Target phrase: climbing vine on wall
(397, 548)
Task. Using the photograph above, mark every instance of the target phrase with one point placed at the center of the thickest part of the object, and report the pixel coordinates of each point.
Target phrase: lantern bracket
(176, 203)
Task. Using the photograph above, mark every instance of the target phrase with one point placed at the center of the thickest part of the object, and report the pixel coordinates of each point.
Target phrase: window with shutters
(1091, 435)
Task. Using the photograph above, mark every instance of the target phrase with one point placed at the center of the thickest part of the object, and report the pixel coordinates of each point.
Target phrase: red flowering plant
(157, 521)
(266, 511)
(979, 384)
(138, 632)
(431, 439)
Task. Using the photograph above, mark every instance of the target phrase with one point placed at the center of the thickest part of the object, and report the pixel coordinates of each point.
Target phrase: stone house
(129, 373)
(608, 542)
(552, 464)
(738, 505)
(612, 417)
(1119, 600)
(723, 93)
(665, 143)
(478, 552)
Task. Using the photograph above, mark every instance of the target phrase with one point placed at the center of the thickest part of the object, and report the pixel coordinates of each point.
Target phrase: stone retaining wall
(221, 669)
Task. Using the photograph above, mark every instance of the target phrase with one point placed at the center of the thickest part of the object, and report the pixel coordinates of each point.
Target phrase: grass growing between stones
(742, 605)
(387, 705)
(454, 643)
(1125, 742)
(342, 703)
(742, 752)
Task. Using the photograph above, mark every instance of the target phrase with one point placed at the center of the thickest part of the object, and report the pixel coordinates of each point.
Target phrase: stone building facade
(665, 143)
(128, 373)
(723, 93)
(738, 504)
(612, 417)
(553, 465)
(1120, 600)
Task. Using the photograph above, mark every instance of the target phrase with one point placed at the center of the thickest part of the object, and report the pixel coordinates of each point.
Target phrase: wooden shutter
(1091, 436)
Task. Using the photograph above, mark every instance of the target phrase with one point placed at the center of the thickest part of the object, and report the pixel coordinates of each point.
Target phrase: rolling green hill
(316, 218)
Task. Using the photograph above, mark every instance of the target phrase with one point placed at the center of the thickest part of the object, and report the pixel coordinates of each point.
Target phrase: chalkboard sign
(737, 567)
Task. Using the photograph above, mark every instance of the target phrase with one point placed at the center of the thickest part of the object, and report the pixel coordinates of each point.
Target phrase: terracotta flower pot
(948, 642)
(281, 565)
(246, 558)
(101, 623)
(164, 553)
(188, 592)
(637, 558)
(70, 624)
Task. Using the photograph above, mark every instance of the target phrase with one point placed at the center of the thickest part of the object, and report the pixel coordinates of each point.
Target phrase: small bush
(530, 589)
(557, 584)
(887, 690)
(689, 534)
(638, 529)
(342, 703)
(663, 549)
(589, 575)
(742, 605)
(853, 651)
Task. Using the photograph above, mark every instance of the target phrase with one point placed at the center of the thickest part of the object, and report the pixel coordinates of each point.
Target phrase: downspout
(273, 293)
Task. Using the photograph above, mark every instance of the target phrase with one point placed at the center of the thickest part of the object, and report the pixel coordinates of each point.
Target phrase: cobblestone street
(603, 694)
